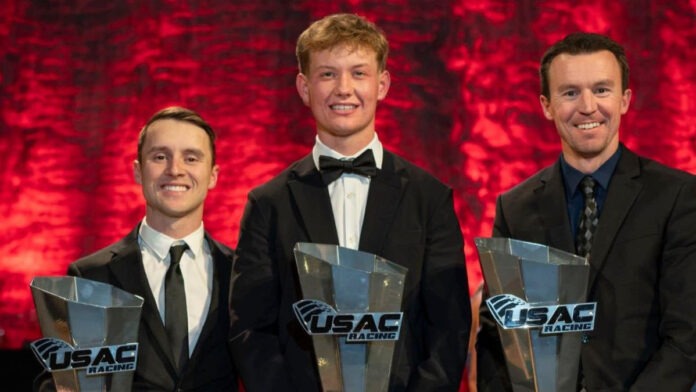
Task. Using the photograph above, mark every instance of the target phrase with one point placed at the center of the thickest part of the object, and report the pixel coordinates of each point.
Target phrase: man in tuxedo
(634, 219)
(380, 204)
(182, 335)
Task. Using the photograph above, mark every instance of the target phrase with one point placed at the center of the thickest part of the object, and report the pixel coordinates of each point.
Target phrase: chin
(591, 152)
(176, 212)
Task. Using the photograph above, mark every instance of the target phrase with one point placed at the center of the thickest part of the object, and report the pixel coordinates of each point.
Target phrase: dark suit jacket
(409, 219)
(210, 365)
(642, 275)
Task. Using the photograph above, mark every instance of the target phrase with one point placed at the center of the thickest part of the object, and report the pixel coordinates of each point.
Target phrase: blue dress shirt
(574, 198)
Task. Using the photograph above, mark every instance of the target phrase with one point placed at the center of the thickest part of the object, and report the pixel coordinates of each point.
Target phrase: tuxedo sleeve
(445, 296)
(254, 304)
(673, 366)
(491, 371)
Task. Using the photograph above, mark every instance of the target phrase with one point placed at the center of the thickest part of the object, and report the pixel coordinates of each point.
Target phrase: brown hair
(579, 43)
(339, 29)
(179, 114)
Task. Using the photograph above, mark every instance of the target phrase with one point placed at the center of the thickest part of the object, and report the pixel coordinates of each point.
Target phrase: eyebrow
(157, 149)
(331, 67)
(603, 82)
(195, 151)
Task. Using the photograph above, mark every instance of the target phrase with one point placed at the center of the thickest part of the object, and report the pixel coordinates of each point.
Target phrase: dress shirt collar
(572, 176)
(160, 243)
(322, 149)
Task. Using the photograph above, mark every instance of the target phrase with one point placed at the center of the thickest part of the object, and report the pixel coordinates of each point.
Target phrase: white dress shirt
(196, 267)
(349, 193)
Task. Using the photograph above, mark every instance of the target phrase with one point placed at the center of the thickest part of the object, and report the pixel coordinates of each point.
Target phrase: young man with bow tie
(351, 192)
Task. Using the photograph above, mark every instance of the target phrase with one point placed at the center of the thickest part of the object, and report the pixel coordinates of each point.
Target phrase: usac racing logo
(512, 312)
(56, 355)
(319, 318)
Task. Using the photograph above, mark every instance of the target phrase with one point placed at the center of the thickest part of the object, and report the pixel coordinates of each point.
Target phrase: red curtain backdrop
(79, 78)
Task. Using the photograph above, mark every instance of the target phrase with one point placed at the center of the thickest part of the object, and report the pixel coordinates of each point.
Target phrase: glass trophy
(352, 309)
(537, 295)
(90, 333)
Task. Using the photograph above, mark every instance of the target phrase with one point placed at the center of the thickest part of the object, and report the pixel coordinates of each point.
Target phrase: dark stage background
(79, 78)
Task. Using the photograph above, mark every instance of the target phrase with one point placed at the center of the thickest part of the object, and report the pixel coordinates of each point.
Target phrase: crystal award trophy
(352, 309)
(537, 295)
(90, 333)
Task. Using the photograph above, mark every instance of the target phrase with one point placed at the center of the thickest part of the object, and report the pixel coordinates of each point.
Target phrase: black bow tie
(332, 168)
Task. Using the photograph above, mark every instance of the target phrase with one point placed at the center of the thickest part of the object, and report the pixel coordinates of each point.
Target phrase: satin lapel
(552, 210)
(623, 190)
(311, 197)
(382, 203)
(127, 268)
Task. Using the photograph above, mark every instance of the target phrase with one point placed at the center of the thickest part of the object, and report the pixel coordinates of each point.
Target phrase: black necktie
(175, 315)
(332, 168)
(588, 219)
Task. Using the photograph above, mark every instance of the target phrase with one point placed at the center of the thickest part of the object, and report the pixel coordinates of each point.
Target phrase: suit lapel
(127, 268)
(622, 193)
(552, 210)
(220, 269)
(382, 203)
(311, 197)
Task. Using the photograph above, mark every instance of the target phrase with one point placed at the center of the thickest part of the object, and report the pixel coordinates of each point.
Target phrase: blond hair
(341, 29)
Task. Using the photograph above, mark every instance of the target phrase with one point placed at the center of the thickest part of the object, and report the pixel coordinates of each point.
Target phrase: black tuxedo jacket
(409, 219)
(210, 366)
(642, 275)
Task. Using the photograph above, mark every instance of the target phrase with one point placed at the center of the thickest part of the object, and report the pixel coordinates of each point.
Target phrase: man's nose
(344, 85)
(588, 102)
(174, 167)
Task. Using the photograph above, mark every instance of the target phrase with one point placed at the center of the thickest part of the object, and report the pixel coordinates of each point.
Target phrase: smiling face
(586, 104)
(342, 88)
(176, 173)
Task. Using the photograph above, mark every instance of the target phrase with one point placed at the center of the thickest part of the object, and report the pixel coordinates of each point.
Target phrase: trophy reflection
(537, 296)
(352, 309)
(90, 333)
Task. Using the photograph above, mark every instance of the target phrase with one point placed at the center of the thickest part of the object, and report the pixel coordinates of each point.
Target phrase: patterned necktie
(175, 315)
(588, 219)
(332, 168)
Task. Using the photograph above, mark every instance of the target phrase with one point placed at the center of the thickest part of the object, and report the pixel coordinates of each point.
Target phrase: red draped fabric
(79, 78)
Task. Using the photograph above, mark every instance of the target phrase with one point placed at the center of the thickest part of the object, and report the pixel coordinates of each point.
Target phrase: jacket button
(585, 338)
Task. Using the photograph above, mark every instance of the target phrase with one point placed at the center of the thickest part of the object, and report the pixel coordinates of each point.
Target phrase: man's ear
(302, 86)
(384, 83)
(214, 176)
(626, 100)
(136, 172)
(546, 107)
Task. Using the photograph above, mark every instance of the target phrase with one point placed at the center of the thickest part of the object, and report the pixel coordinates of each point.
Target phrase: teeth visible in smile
(343, 107)
(588, 125)
(175, 188)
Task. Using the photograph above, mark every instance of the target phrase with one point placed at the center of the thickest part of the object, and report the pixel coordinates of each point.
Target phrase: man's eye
(192, 159)
(570, 93)
(326, 74)
(159, 157)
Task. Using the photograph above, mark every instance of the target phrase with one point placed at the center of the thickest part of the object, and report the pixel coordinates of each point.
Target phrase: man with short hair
(634, 219)
(175, 168)
(381, 204)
